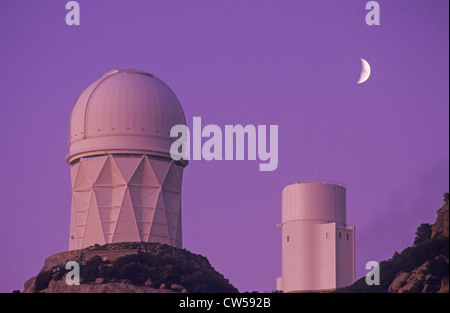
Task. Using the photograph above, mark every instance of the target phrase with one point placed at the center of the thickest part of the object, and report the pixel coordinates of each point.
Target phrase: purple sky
(290, 63)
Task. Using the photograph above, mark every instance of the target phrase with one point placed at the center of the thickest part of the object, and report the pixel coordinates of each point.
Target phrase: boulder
(148, 282)
(441, 227)
(99, 280)
(398, 282)
(176, 287)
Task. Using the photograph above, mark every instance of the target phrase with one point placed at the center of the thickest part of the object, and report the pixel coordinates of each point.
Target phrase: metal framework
(119, 198)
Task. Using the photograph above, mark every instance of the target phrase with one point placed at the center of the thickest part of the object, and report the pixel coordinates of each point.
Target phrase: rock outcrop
(420, 280)
(441, 226)
(421, 268)
(430, 276)
(130, 268)
(60, 286)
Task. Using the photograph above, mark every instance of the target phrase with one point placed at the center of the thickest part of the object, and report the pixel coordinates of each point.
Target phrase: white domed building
(125, 185)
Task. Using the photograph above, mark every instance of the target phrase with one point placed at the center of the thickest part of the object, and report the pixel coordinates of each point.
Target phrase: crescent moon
(365, 72)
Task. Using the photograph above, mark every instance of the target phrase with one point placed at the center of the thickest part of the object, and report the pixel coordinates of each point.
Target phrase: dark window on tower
(347, 236)
(287, 238)
(339, 235)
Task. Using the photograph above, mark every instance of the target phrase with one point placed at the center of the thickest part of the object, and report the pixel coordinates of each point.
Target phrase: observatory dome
(124, 111)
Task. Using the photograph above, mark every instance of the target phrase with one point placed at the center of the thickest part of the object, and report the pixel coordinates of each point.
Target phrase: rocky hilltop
(130, 268)
(421, 268)
(440, 227)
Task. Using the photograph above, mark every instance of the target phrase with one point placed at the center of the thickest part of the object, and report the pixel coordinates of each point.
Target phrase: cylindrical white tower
(318, 248)
(125, 185)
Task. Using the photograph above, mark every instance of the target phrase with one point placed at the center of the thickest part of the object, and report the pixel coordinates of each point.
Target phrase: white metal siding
(314, 201)
(125, 199)
(315, 258)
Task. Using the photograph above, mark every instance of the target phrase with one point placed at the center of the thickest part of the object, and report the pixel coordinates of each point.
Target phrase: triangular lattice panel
(125, 198)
